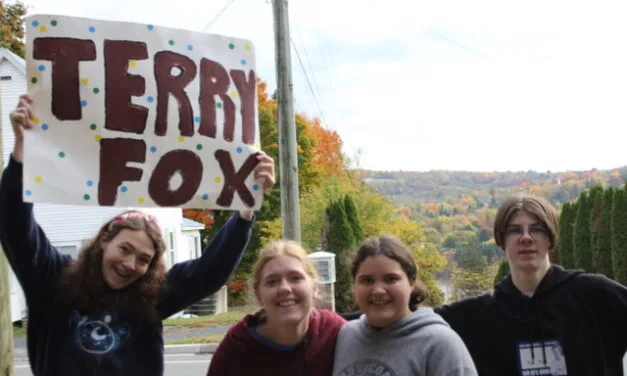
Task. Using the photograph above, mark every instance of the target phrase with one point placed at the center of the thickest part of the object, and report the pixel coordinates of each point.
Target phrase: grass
(212, 338)
(221, 319)
(18, 331)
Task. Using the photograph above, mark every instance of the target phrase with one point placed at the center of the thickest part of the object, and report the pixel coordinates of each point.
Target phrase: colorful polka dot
(86, 197)
(199, 147)
(205, 197)
(180, 138)
(132, 63)
(171, 42)
(255, 187)
(35, 23)
(190, 47)
(150, 27)
(231, 46)
(257, 146)
(243, 61)
(33, 80)
(218, 180)
(36, 120)
(90, 183)
(247, 46)
(219, 105)
(61, 154)
(239, 149)
(53, 23)
(96, 90)
(83, 103)
(43, 29)
(44, 126)
(197, 119)
(123, 189)
(91, 29)
(93, 127)
(28, 192)
(234, 94)
(41, 68)
(153, 149)
(97, 138)
(150, 99)
(85, 81)
(141, 200)
(39, 179)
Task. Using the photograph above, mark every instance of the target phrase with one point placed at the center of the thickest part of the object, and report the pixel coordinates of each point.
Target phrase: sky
(418, 85)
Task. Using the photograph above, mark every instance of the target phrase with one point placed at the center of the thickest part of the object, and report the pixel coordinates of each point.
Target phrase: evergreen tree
(603, 246)
(596, 206)
(582, 254)
(340, 240)
(565, 242)
(619, 236)
(502, 272)
(353, 218)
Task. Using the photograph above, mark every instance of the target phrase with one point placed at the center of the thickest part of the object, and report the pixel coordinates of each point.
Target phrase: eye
(538, 230)
(296, 278)
(391, 278)
(271, 282)
(125, 250)
(143, 261)
(366, 280)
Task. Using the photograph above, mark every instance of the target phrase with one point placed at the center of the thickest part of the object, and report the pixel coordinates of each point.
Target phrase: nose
(129, 263)
(525, 237)
(378, 288)
(284, 287)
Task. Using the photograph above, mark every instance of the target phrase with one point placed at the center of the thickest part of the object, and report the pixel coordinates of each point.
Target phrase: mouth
(287, 303)
(379, 303)
(527, 252)
(121, 273)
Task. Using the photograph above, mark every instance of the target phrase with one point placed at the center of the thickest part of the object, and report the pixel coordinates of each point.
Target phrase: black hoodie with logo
(574, 324)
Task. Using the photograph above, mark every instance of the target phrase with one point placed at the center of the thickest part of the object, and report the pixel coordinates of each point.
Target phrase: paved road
(175, 365)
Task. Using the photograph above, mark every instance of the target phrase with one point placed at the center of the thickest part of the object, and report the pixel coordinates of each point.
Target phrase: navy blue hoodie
(574, 324)
(64, 341)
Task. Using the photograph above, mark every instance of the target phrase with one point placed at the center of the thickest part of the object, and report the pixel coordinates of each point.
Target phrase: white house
(68, 227)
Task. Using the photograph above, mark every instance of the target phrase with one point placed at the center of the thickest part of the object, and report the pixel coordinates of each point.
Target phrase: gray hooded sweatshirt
(420, 344)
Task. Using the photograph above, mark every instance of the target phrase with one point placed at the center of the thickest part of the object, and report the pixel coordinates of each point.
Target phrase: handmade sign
(139, 115)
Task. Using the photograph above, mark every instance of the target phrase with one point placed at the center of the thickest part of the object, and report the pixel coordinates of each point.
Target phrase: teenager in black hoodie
(541, 319)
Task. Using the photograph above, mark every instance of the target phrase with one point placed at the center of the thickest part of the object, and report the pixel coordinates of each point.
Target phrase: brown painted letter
(214, 80)
(120, 114)
(65, 54)
(247, 94)
(188, 164)
(170, 84)
(114, 154)
(235, 181)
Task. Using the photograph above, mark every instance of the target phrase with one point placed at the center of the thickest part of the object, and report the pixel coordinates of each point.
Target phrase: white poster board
(140, 115)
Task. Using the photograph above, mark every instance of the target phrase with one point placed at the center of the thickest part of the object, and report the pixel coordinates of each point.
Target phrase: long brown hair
(82, 285)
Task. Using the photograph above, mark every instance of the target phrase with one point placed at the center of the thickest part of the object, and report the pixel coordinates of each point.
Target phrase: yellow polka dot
(132, 63)
(180, 138)
(247, 46)
(257, 146)
(141, 200)
(217, 180)
(97, 138)
(85, 81)
(234, 94)
(42, 28)
(36, 120)
(39, 179)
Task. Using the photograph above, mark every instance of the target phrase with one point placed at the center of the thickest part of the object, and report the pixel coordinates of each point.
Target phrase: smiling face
(286, 291)
(382, 290)
(126, 258)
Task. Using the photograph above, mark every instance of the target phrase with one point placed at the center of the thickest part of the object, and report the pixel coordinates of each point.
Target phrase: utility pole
(6, 325)
(288, 158)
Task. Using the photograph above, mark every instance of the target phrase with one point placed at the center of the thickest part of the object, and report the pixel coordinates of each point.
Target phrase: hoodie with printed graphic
(419, 344)
(575, 323)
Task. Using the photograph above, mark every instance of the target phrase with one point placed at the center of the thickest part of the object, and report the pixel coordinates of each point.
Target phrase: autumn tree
(603, 246)
(582, 253)
(12, 26)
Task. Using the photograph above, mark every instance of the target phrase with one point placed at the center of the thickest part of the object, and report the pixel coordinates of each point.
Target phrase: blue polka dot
(90, 183)
(243, 61)
(41, 68)
(35, 23)
(205, 197)
(28, 192)
(153, 149)
(123, 189)
(83, 103)
(197, 119)
(44, 126)
(150, 99)
(150, 27)
(239, 149)
(190, 47)
(255, 187)
(92, 29)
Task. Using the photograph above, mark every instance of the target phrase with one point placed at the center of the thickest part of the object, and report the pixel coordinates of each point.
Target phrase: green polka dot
(53, 22)
(171, 42)
(231, 46)
(33, 80)
(86, 197)
(219, 105)
(93, 127)
(96, 90)
(199, 147)
(61, 154)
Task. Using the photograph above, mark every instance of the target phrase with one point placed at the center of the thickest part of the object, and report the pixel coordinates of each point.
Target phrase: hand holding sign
(137, 115)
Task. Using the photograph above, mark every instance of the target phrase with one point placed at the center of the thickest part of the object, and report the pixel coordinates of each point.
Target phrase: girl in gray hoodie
(393, 337)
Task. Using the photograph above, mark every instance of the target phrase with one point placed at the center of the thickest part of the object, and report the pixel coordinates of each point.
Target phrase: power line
(218, 15)
(308, 81)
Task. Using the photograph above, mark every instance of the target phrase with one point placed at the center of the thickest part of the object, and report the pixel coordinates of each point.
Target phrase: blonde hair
(282, 248)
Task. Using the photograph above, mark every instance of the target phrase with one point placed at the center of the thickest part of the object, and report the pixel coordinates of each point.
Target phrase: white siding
(10, 91)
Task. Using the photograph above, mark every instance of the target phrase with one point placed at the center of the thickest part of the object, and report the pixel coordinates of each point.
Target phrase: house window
(194, 246)
(71, 250)
(171, 251)
(5, 78)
